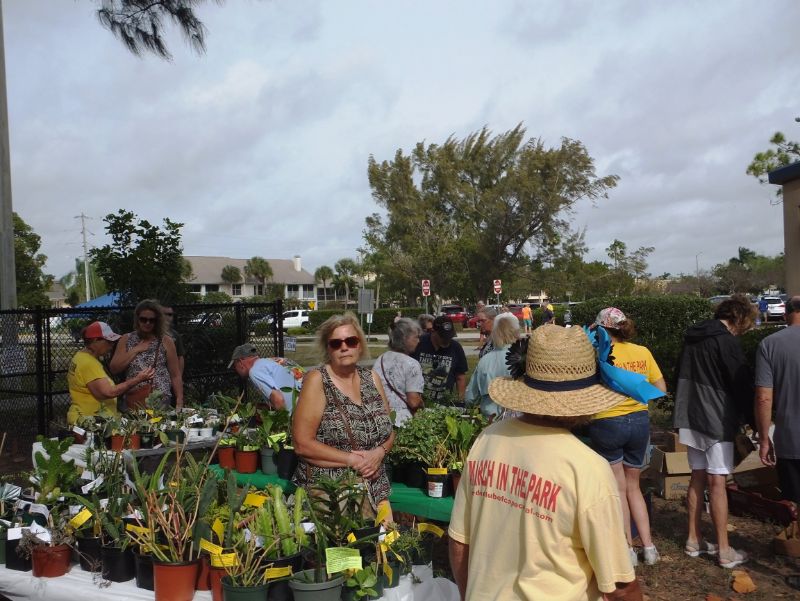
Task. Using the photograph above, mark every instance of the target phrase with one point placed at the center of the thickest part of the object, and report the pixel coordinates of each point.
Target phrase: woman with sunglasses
(149, 345)
(342, 418)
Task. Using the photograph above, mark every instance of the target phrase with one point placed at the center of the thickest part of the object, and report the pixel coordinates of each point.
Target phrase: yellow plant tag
(388, 571)
(351, 538)
(80, 518)
(207, 545)
(432, 528)
(225, 560)
(255, 500)
(437, 471)
(155, 420)
(384, 509)
(391, 537)
(273, 573)
(338, 559)
(136, 529)
(218, 529)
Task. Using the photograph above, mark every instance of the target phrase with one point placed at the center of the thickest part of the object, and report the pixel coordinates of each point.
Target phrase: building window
(258, 289)
(212, 288)
(196, 288)
(308, 290)
(236, 289)
(292, 291)
(325, 294)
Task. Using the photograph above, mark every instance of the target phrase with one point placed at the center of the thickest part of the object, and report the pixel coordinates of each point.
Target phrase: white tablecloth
(77, 584)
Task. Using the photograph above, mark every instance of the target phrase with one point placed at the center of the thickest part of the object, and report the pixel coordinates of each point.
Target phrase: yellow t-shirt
(541, 514)
(636, 358)
(85, 368)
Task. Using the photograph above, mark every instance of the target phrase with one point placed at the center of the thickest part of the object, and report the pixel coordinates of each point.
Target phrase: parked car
(456, 313)
(715, 300)
(296, 318)
(776, 308)
(515, 309)
(213, 320)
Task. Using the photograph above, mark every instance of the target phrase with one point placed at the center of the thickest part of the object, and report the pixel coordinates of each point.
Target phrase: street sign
(426, 287)
(498, 286)
(289, 344)
(369, 317)
(366, 300)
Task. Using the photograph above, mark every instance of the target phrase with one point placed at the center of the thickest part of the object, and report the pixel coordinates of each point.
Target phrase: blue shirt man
(278, 380)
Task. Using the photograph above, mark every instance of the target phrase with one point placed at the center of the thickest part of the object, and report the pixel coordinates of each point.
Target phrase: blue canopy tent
(107, 300)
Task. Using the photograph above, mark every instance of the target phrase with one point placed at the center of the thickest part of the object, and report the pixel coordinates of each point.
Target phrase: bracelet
(385, 452)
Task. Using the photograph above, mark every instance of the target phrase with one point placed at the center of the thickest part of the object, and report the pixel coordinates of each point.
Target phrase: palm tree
(324, 274)
(345, 268)
(259, 269)
(75, 282)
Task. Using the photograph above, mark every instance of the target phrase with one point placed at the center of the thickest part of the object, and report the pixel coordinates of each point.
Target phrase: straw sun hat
(560, 378)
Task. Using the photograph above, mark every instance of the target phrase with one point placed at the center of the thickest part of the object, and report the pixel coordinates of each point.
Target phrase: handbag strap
(343, 412)
(391, 387)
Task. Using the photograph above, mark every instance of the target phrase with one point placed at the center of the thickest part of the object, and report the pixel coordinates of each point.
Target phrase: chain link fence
(36, 347)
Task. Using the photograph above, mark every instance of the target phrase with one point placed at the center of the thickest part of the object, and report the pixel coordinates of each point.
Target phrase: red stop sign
(498, 286)
(426, 287)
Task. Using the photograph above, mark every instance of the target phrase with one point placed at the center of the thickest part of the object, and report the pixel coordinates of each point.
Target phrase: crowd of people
(558, 527)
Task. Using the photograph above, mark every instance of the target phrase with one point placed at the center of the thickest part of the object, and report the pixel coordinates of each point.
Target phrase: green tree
(231, 274)
(323, 274)
(139, 24)
(345, 269)
(468, 211)
(259, 269)
(32, 282)
(784, 153)
(75, 283)
(143, 260)
(216, 298)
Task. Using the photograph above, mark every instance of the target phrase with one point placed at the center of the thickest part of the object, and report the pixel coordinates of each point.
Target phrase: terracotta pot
(118, 442)
(246, 461)
(50, 562)
(225, 458)
(175, 581)
(215, 576)
(202, 574)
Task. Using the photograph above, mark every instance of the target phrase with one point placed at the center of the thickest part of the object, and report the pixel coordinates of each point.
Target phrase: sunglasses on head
(147, 320)
(350, 341)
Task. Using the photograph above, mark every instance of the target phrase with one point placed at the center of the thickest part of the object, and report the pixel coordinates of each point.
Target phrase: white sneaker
(651, 556)
(732, 558)
(634, 557)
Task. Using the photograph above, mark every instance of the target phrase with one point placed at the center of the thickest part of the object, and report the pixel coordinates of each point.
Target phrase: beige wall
(791, 235)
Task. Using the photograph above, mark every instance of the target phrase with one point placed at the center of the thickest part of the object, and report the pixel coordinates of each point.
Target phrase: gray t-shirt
(778, 367)
(405, 375)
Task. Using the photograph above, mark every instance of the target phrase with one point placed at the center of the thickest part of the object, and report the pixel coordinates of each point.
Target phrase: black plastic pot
(118, 564)
(147, 439)
(14, 561)
(279, 589)
(415, 476)
(89, 553)
(365, 542)
(287, 463)
(439, 486)
(144, 571)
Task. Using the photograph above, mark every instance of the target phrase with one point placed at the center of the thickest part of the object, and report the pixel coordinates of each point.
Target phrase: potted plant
(462, 432)
(50, 549)
(9, 493)
(245, 579)
(247, 453)
(270, 434)
(122, 434)
(363, 584)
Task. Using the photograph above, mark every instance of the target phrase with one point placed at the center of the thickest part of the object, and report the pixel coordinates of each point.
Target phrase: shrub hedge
(381, 319)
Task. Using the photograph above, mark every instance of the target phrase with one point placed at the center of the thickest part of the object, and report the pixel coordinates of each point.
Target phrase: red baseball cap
(100, 329)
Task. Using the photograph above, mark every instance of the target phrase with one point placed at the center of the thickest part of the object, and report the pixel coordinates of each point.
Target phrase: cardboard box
(787, 542)
(673, 444)
(671, 472)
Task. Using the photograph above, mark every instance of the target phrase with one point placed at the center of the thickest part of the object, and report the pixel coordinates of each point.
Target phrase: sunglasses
(350, 341)
(147, 320)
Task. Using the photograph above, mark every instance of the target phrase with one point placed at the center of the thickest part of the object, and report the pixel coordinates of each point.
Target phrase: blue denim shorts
(622, 438)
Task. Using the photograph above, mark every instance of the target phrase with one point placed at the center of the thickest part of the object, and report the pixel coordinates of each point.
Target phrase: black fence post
(277, 323)
(38, 327)
(241, 326)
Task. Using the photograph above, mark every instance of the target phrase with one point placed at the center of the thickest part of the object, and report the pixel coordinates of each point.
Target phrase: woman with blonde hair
(505, 332)
(342, 418)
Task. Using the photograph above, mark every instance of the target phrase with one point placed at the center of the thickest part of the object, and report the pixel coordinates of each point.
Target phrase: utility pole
(8, 279)
(83, 219)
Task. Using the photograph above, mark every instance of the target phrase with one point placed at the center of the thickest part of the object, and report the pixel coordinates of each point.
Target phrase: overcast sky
(260, 146)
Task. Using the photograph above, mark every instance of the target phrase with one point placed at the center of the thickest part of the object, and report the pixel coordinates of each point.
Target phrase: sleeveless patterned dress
(370, 426)
(142, 361)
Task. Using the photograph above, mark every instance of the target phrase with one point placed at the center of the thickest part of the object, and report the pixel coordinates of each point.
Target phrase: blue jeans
(622, 438)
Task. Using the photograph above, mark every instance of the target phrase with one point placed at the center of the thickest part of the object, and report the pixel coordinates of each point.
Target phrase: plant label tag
(74, 509)
(255, 500)
(351, 538)
(195, 419)
(273, 573)
(103, 503)
(338, 559)
(383, 513)
(388, 571)
(14, 533)
(40, 509)
(218, 529)
(391, 537)
(226, 560)
(87, 475)
(308, 527)
(40, 531)
(93, 484)
(210, 547)
(432, 528)
(136, 529)
(79, 431)
(437, 471)
(81, 518)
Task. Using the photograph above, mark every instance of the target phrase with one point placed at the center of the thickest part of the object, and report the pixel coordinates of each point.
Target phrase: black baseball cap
(444, 327)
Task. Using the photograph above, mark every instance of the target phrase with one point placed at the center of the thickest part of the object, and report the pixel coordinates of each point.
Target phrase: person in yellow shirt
(537, 513)
(621, 434)
(91, 390)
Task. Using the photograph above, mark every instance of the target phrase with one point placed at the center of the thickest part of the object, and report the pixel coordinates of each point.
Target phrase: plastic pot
(215, 576)
(415, 476)
(246, 461)
(395, 579)
(231, 592)
(286, 459)
(225, 458)
(329, 590)
(268, 465)
(3, 537)
(118, 564)
(89, 553)
(176, 436)
(51, 562)
(175, 581)
(202, 583)
(13, 560)
(144, 571)
(147, 440)
(438, 485)
(279, 589)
